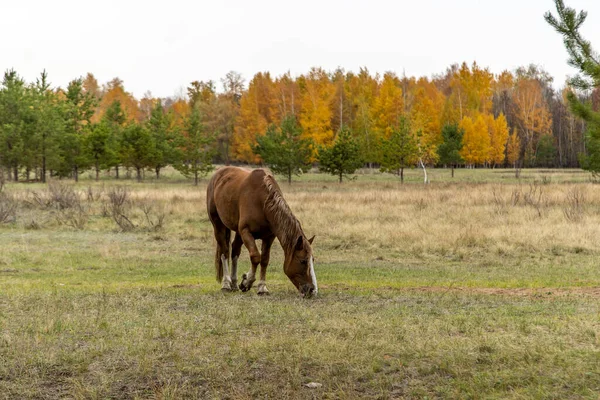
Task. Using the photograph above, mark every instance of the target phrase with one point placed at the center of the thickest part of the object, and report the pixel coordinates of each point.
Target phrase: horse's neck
(284, 224)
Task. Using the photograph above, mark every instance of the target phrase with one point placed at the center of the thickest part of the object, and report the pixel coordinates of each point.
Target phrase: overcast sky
(161, 46)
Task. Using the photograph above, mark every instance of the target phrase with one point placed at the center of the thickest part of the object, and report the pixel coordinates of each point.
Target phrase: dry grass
(452, 290)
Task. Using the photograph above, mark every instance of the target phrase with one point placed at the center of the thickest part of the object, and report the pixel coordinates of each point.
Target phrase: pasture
(477, 287)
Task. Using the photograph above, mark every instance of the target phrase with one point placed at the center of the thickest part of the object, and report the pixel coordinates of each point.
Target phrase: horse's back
(233, 191)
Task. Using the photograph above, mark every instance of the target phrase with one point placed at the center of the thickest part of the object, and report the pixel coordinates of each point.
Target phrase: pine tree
(137, 148)
(159, 126)
(342, 158)
(284, 150)
(197, 147)
(449, 149)
(99, 147)
(79, 107)
(583, 57)
(399, 151)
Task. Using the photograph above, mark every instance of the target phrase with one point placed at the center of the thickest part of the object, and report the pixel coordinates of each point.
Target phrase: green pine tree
(400, 150)
(158, 125)
(341, 159)
(137, 148)
(449, 149)
(115, 118)
(284, 150)
(99, 147)
(583, 57)
(197, 148)
(15, 116)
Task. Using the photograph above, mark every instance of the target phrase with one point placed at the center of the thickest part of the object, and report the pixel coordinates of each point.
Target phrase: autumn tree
(583, 57)
(532, 111)
(315, 115)
(362, 89)
(399, 150)
(476, 140)
(256, 113)
(388, 106)
(201, 92)
(449, 149)
(284, 149)
(498, 132)
(342, 158)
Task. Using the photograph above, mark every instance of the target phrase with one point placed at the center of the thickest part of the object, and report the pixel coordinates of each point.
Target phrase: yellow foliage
(388, 106)
(498, 131)
(476, 140)
(315, 115)
(258, 110)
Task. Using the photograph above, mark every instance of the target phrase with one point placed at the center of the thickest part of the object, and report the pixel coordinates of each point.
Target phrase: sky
(161, 46)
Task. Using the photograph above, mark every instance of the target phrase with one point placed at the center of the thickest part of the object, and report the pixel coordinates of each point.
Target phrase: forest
(512, 119)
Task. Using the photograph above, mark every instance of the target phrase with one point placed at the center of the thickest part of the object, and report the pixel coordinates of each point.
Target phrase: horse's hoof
(263, 293)
(244, 288)
(226, 290)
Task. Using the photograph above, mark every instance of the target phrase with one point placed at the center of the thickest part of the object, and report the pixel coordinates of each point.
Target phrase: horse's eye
(304, 262)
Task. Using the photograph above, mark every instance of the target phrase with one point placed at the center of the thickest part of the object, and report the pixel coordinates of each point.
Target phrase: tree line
(466, 116)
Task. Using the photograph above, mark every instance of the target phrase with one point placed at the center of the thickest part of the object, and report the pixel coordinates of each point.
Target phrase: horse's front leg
(249, 278)
(264, 262)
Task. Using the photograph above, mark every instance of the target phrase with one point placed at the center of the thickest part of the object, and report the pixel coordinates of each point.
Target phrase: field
(479, 287)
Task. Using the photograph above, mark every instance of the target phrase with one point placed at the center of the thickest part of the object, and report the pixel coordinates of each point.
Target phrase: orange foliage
(114, 91)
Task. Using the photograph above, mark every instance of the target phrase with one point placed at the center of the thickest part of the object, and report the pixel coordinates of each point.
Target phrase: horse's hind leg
(264, 263)
(223, 237)
(236, 249)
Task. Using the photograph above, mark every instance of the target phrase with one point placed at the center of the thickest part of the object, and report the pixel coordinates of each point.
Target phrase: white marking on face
(313, 275)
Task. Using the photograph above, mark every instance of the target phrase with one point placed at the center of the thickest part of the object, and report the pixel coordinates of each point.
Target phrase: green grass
(103, 314)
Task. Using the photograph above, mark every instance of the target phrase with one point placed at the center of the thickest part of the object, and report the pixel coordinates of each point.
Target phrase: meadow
(481, 286)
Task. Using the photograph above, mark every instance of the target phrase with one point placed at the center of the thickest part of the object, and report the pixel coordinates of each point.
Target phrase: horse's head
(299, 267)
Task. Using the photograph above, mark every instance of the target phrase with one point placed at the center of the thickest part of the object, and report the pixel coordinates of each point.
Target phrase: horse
(251, 204)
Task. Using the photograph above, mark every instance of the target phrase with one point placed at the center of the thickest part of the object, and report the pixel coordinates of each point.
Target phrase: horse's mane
(286, 225)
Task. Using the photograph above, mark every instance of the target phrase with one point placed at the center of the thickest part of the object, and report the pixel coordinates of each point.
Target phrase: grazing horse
(251, 204)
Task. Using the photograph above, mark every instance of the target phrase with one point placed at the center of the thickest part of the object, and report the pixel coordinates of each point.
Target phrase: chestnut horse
(251, 204)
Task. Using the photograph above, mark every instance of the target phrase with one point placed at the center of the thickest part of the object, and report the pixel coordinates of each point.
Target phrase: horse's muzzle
(307, 291)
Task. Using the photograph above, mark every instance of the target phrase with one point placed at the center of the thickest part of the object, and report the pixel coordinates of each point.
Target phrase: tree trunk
(43, 169)
(452, 170)
(425, 180)
(16, 174)
(97, 172)
(196, 177)
(157, 169)
(117, 171)
(76, 173)
(138, 174)
(402, 175)
(289, 174)
(341, 176)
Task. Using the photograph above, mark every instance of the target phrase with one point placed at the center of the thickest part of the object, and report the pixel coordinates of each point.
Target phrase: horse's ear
(311, 239)
(299, 243)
